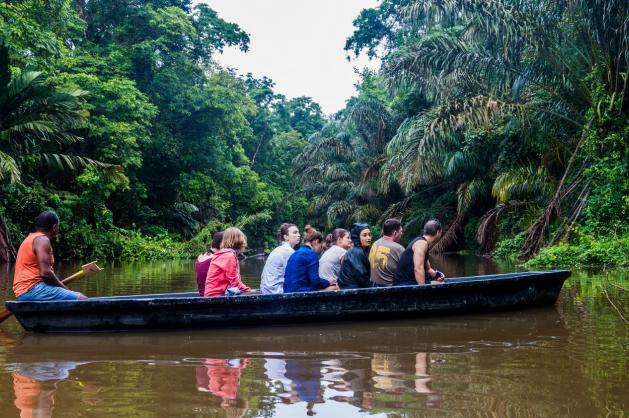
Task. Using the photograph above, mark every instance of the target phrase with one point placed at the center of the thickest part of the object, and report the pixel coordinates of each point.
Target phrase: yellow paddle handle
(74, 277)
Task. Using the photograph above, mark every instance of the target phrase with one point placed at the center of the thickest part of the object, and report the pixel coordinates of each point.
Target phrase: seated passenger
(273, 273)
(302, 268)
(385, 253)
(354, 272)
(414, 267)
(202, 263)
(338, 242)
(34, 278)
(224, 270)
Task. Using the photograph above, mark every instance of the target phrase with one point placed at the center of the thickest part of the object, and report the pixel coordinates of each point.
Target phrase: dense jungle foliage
(506, 119)
(114, 114)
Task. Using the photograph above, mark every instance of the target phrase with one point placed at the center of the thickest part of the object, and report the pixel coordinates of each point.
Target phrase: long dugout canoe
(188, 310)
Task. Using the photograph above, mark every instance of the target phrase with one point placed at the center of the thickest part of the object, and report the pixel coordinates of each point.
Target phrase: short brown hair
(234, 238)
(390, 226)
(311, 234)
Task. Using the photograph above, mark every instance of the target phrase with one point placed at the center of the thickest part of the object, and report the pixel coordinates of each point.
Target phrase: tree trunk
(451, 235)
(7, 252)
(538, 230)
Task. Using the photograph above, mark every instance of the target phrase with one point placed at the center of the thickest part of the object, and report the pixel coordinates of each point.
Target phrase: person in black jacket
(355, 271)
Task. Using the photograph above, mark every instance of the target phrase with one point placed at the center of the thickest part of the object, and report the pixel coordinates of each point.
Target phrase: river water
(567, 360)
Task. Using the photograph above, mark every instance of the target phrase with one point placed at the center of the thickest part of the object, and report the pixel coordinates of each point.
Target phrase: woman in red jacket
(224, 271)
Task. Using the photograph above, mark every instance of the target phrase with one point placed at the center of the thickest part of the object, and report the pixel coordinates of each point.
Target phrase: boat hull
(187, 311)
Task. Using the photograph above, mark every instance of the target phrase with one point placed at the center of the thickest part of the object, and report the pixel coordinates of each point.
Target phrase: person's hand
(439, 276)
(333, 282)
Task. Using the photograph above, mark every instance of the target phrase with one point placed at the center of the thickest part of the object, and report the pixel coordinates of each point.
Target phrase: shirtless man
(414, 267)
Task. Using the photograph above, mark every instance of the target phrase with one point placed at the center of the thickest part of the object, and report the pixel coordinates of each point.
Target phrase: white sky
(298, 44)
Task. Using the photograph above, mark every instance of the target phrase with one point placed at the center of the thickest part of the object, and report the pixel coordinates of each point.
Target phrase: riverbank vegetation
(505, 119)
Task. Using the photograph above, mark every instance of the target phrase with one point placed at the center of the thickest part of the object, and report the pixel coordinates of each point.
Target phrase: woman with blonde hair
(224, 271)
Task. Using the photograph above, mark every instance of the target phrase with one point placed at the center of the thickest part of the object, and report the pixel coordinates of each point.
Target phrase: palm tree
(487, 63)
(340, 165)
(33, 113)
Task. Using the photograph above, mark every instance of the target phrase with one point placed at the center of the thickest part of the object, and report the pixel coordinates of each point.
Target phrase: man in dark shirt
(414, 267)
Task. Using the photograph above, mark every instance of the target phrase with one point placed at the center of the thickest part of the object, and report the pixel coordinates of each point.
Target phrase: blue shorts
(42, 291)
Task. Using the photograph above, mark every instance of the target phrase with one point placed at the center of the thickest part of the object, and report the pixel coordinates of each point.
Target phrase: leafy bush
(604, 252)
(510, 248)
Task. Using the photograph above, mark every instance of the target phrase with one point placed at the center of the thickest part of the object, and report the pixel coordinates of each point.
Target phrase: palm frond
(470, 192)
(74, 163)
(521, 183)
(9, 168)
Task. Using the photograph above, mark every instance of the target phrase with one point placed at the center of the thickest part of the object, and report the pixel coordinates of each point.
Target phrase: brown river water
(567, 360)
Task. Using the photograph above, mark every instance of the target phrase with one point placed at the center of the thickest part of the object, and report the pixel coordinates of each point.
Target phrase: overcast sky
(298, 44)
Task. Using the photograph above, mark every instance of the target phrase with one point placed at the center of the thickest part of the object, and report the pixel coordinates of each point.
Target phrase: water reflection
(221, 377)
(569, 360)
(35, 384)
(352, 375)
(367, 366)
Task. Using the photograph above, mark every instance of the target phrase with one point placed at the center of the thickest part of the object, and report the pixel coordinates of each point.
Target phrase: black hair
(45, 221)
(390, 226)
(432, 227)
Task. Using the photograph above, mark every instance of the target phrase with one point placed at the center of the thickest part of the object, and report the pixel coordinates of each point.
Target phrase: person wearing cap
(355, 270)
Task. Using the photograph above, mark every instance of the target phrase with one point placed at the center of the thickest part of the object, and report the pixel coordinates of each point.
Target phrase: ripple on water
(570, 360)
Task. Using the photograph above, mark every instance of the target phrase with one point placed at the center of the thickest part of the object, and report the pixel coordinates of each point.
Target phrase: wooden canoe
(187, 310)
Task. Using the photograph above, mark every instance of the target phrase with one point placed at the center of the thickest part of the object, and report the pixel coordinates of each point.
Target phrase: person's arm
(436, 276)
(420, 248)
(430, 271)
(233, 275)
(43, 251)
(312, 268)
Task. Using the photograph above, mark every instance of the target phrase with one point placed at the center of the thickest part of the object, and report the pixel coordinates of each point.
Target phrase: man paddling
(414, 267)
(34, 278)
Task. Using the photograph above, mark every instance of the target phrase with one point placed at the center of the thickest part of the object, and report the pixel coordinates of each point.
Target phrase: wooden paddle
(88, 269)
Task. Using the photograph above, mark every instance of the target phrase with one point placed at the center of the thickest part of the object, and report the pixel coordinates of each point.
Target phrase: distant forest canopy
(505, 119)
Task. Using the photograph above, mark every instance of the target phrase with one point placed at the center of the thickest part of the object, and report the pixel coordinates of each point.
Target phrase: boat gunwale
(163, 299)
